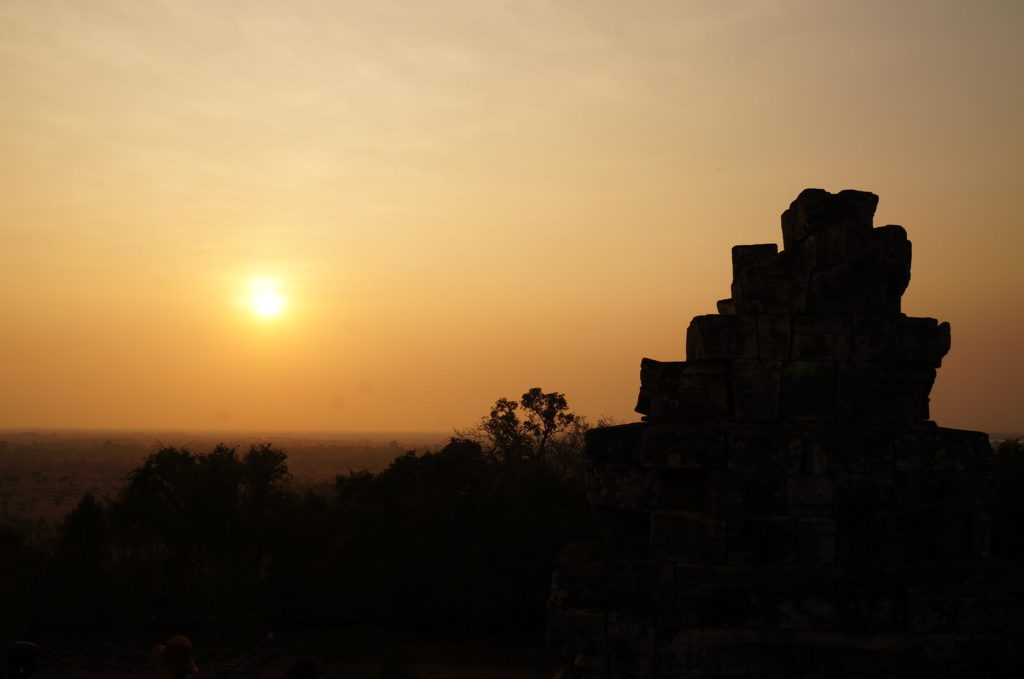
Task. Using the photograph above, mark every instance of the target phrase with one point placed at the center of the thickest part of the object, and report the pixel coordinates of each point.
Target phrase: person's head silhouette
(176, 657)
(22, 659)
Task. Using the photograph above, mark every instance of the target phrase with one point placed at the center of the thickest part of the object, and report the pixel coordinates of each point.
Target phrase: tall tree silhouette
(537, 427)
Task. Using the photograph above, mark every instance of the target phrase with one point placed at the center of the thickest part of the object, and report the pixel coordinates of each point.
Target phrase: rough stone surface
(786, 508)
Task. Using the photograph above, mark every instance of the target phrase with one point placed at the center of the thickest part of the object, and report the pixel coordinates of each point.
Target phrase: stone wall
(786, 508)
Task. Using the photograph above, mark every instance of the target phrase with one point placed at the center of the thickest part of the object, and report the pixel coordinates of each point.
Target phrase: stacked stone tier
(786, 508)
(737, 494)
(809, 387)
(742, 549)
(812, 333)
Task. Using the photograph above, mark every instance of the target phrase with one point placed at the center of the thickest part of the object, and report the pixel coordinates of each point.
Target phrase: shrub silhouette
(482, 533)
(462, 538)
(539, 427)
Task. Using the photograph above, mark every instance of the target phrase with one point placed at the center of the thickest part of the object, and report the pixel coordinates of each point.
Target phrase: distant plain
(44, 473)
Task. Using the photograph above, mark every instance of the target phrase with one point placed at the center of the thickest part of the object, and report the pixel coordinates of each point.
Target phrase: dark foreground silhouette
(787, 501)
(438, 547)
(787, 509)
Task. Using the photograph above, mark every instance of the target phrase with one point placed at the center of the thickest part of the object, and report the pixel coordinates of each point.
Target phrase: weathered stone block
(715, 576)
(873, 611)
(773, 336)
(876, 489)
(779, 654)
(589, 577)
(893, 392)
(808, 391)
(684, 446)
(873, 338)
(867, 541)
(762, 449)
(762, 540)
(848, 288)
(950, 612)
(907, 442)
(735, 494)
(686, 537)
(659, 382)
(630, 647)
(857, 392)
(764, 494)
(832, 244)
(942, 491)
(889, 240)
(980, 532)
(816, 541)
(809, 490)
(721, 337)
(949, 538)
(755, 390)
(621, 486)
(922, 340)
(770, 289)
(578, 636)
(719, 607)
(681, 489)
(726, 307)
(972, 608)
(814, 454)
(726, 494)
(903, 390)
(620, 444)
(684, 392)
(640, 587)
(746, 256)
(626, 530)
(815, 209)
(888, 247)
(802, 610)
(704, 392)
(942, 449)
(820, 338)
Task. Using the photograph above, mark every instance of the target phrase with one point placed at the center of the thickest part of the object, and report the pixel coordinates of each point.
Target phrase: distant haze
(440, 203)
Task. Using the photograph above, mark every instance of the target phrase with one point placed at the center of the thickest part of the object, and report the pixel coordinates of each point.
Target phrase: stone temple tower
(786, 508)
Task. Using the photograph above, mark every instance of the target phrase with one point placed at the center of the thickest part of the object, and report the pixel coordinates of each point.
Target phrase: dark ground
(340, 655)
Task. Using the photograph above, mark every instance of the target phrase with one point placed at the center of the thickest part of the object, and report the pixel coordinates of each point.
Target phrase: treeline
(464, 537)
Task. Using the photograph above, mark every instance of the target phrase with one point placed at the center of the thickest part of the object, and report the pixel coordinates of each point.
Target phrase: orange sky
(460, 200)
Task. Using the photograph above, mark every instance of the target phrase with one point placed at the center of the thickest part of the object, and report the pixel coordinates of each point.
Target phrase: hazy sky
(459, 200)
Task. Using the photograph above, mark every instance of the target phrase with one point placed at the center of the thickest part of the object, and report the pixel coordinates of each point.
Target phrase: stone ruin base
(788, 509)
(795, 550)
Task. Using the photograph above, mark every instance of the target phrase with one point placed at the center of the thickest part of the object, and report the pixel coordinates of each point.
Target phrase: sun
(267, 303)
(265, 300)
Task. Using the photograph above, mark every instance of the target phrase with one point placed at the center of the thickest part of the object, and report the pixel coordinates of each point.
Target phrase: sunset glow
(266, 301)
(458, 200)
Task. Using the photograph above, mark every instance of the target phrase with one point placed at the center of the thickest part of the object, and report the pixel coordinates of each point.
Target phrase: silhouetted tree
(465, 536)
(264, 469)
(539, 427)
(84, 534)
(196, 532)
(81, 578)
(483, 531)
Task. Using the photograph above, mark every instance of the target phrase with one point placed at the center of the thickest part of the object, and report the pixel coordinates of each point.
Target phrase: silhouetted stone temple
(786, 508)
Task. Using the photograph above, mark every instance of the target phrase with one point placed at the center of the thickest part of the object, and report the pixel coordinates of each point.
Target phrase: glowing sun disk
(266, 302)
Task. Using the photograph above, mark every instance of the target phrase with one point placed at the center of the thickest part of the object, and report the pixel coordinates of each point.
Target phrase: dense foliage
(463, 537)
